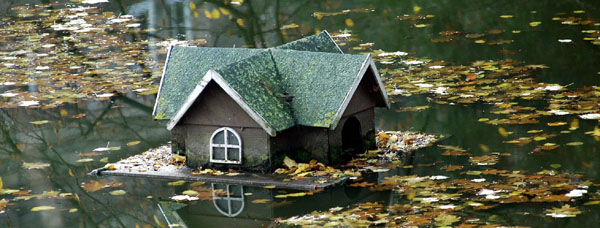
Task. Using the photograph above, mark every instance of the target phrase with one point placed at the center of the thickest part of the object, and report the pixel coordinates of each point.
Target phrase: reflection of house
(231, 202)
(238, 209)
(245, 108)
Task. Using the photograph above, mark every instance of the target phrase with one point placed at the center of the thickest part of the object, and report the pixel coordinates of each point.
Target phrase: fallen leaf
(260, 201)
(42, 208)
(117, 192)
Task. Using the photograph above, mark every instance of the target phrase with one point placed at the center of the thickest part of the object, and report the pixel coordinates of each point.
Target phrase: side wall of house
(215, 109)
(362, 107)
(300, 143)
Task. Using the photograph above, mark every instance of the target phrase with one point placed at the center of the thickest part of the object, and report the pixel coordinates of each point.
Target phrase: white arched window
(226, 146)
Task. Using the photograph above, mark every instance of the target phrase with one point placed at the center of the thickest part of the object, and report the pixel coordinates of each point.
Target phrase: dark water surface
(65, 141)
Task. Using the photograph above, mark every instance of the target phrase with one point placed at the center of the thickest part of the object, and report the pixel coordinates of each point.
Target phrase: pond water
(46, 163)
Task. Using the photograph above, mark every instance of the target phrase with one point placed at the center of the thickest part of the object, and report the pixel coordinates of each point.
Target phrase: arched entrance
(352, 141)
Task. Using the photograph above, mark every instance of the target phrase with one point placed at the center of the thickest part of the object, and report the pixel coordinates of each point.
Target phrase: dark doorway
(352, 141)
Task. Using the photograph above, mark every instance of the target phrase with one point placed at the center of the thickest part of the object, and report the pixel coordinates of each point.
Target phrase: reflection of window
(228, 199)
(226, 146)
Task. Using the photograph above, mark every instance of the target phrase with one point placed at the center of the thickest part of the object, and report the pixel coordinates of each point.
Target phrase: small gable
(366, 96)
(216, 108)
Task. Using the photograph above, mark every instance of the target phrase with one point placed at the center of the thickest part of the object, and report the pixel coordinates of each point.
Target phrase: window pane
(219, 138)
(235, 191)
(231, 139)
(236, 206)
(233, 153)
(223, 205)
(219, 153)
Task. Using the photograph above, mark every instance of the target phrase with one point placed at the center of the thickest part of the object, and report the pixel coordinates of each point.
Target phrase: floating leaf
(260, 201)
(269, 186)
(133, 143)
(35, 165)
(176, 183)
(574, 144)
(117, 192)
(40, 122)
(85, 160)
(42, 208)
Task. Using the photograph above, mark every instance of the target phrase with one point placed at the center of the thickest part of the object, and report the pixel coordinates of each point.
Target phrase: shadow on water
(73, 131)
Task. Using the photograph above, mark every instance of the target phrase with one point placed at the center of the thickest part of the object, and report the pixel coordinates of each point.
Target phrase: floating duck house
(247, 109)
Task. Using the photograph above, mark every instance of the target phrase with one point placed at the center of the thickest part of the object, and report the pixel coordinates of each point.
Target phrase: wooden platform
(246, 179)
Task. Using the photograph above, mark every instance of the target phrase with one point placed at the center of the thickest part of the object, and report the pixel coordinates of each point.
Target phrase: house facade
(249, 108)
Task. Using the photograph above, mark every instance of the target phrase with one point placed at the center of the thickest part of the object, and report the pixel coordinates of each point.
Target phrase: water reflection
(246, 206)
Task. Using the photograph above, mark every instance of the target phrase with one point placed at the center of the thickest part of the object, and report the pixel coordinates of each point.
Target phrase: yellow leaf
(574, 124)
(260, 201)
(534, 23)
(197, 183)
(349, 22)
(42, 208)
(289, 162)
(297, 194)
(534, 131)
(579, 11)
(133, 143)
(539, 138)
(1, 184)
(71, 173)
(207, 14)
(506, 16)
(269, 186)
(215, 14)
(224, 11)
(64, 112)
(301, 167)
(176, 183)
(574, 144)
(416, 9)
(502, 131)
(240, 21)
(158, 222)
(480, 41)
(192, 5)
(290, 26)
(73, 210)
(190, 193)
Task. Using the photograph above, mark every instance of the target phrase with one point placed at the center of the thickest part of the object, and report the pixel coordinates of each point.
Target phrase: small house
(249, 108)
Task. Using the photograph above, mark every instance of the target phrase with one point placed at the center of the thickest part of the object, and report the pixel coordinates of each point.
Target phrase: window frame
(225, 146)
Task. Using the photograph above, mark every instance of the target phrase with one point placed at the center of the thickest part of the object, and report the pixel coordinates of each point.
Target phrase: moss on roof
(321, 42)
(319, 82)
(312, 70)
(256, 80)
(186, 67)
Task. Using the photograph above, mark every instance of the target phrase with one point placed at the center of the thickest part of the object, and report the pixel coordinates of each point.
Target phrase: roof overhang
(162, 78)
(368, 63)
(212, 75)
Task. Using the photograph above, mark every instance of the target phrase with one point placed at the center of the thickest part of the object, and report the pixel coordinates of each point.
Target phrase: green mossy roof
(321, 42)
(257, 82)
(311, 69)
(319, 82)
(186, 67)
